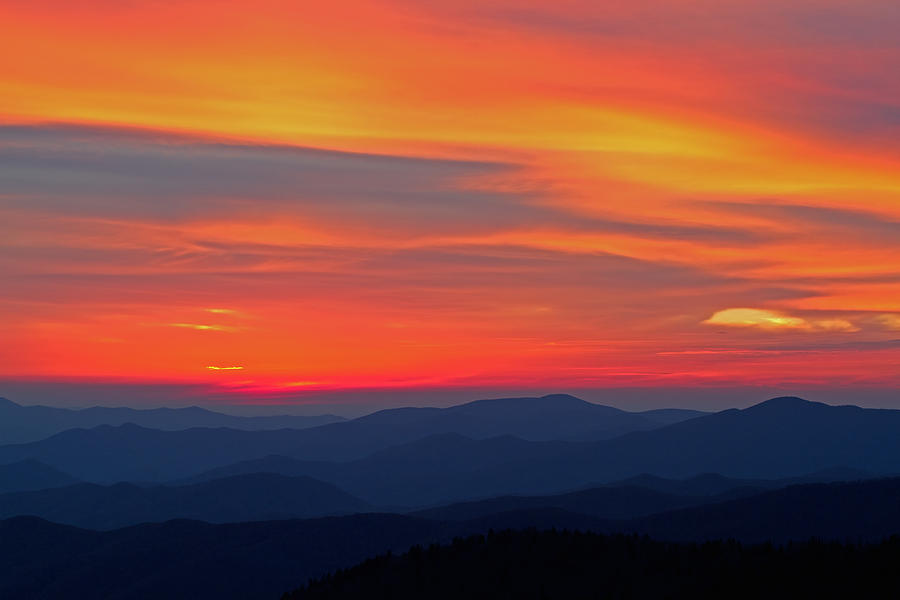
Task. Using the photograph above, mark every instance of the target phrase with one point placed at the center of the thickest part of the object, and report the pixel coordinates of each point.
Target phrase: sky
(271, 202)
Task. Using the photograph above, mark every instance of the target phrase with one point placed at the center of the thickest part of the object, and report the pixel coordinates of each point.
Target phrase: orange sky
(355, 194)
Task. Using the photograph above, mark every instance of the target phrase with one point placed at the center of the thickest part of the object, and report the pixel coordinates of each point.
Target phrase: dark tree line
(572, 565)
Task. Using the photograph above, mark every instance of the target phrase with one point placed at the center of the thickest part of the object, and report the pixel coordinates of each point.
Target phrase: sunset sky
(266, 200)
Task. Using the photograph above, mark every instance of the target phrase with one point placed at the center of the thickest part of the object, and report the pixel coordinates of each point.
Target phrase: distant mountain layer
(780, 438)
(256, 497)
(606, 503)
(553, 417)
(635, 497)
(266, 496)
(188, 559)
(714, 484)
(19, 424)
(867, 510)
(436, 469)
(128, 452)
(31, 475)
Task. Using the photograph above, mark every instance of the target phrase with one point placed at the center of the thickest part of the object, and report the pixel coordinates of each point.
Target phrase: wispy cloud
(890, 322)
(540, 190)
(776, 321)
(203, 327)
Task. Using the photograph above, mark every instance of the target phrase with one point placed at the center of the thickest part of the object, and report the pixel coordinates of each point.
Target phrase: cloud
(202, 327)
(770, 320)
(802, 22)
(108, 172)
(812, 220)
(120, 175)
(890, 322)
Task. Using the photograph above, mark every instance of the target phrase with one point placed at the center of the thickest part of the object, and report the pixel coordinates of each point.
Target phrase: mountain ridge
(252, 497)
(189, 559)
(26, 423)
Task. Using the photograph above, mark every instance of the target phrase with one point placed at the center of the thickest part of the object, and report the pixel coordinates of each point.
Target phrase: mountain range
(249, 512)
(777, 439)
(30, 474)
(20, 424)
(109, 453)
(256, 497)
(190, 559)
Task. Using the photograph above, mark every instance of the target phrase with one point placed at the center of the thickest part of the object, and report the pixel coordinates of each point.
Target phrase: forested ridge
(551, 565)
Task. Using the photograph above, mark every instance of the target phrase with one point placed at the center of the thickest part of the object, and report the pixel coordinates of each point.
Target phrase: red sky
(270, 198)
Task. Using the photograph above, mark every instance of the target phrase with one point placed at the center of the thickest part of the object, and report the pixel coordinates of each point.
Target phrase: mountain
(31, 475)
(241, 498)
(713, 484)
(779, 438)
(623, 502)
(548, 418)
(20, 424)
(634, 497)
(190, 559)
(563, 564)
(181, 560)
(754, 448)
(702, 485)
(553, 417)
(129, 452)
(862, 510)
(433, 470)
(108, 454)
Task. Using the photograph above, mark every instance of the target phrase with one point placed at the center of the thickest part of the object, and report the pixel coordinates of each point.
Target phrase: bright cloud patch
(890, 322)
(772, 320)
(202, 327)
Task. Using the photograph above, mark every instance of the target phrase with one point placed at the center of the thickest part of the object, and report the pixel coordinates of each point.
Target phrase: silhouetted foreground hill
(31, 475)
(257, 497)
(19, 424)
(564, 565)
(192, 560)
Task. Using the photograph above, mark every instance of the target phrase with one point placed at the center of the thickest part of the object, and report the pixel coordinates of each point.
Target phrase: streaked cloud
(890, 322)
(648, 193)
(775, 321)
(202, 327)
